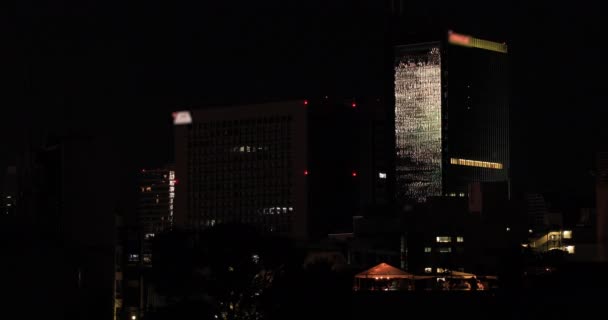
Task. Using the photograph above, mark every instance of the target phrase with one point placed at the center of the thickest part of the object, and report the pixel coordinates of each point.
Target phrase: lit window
(567, 234)
(134, 257)
(445, 250)
(459, 239)
(441, 270)
(428, 270)
(382, 175)
(428, 249)
(570, 249)
(444, 239)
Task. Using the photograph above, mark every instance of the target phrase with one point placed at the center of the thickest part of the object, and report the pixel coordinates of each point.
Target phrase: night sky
(118, 69)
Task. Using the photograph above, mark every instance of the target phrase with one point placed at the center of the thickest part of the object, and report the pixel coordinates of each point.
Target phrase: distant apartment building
(155, 207)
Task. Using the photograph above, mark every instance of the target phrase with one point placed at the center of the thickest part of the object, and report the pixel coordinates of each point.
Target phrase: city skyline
(63, 81)
(222, 160)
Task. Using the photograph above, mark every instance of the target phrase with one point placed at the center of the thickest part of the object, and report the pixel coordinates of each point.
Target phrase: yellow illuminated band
(468, 41)
(476, 163)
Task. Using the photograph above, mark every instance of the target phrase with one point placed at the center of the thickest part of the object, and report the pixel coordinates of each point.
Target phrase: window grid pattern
(241, 172)
(418, 123)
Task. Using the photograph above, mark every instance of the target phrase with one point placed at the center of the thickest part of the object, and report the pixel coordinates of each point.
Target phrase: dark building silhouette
(451, 116)
(293, 167)
(8, 200)
(66, 188)
(601, 196)
(135, 293)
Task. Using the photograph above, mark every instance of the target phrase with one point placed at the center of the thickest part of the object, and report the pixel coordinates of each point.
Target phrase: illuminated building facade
(451, 116)
(155, 207)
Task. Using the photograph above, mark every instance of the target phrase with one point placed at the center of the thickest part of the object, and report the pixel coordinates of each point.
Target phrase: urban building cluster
(419, 179)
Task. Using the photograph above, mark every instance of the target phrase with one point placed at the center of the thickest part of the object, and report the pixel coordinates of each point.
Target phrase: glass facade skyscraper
(418, 121)
(451, 116)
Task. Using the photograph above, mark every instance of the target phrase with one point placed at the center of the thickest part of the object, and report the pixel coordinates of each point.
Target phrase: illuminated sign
(182, 117)
(461, 39)
(472, 42)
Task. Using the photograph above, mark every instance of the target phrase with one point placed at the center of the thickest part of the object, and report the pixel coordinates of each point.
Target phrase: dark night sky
(119, 69)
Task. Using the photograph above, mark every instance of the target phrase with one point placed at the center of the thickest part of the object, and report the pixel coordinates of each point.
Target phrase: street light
(133, 317)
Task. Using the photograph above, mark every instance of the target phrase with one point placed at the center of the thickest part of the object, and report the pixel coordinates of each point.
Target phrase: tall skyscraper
(451, 116)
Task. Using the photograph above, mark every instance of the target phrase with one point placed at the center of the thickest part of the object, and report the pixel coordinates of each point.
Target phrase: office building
(155, 206)
(292, 167)
(451, 116)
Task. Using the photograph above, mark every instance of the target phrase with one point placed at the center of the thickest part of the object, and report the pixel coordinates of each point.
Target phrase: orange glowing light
(459, 39)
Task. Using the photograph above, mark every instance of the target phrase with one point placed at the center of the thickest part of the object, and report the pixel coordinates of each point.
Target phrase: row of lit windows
(276, 225)
(446, 239)
(212, 138)
(244, 122)
(476, 163)
(440, 270)
(440, 249)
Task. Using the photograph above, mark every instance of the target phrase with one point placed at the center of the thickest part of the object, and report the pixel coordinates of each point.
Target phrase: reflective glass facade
(451, 117)
(418, 137)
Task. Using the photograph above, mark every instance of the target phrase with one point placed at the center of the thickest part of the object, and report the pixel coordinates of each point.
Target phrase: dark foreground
(522, 304)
